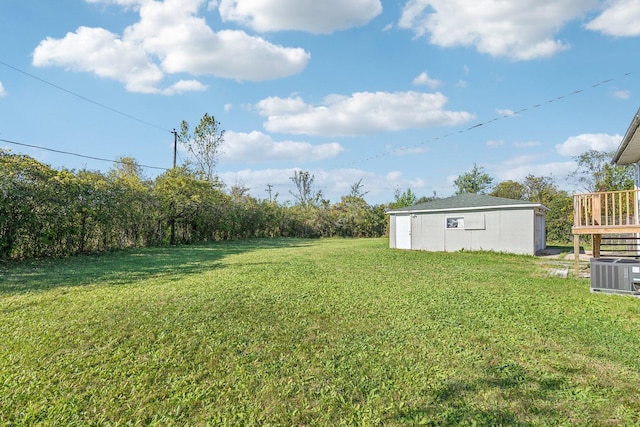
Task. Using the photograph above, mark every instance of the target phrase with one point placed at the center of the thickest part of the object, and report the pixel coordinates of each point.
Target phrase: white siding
(504, 230)
(427, 232)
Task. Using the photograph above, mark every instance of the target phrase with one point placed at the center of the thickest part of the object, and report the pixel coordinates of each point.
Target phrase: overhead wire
(385, 154)
(477, 125)
(84, 98)
(77, 155)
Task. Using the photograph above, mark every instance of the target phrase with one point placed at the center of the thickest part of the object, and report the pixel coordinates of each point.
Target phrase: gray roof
(467, 202)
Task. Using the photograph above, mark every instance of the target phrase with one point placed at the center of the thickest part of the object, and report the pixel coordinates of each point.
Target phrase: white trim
(470, 208)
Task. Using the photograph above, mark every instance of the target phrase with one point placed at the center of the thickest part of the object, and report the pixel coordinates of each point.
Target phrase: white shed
(470, 222)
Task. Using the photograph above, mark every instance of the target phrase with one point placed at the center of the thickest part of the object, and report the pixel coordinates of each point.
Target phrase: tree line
(594, 173)
(46, 212)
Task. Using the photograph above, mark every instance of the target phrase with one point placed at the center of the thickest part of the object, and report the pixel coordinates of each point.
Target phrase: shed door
(403, 231)
(540, 233)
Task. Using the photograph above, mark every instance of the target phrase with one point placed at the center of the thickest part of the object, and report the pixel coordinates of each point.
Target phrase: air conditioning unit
(617, 275)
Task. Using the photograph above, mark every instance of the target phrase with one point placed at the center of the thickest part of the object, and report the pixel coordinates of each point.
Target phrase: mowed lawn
(312, 332)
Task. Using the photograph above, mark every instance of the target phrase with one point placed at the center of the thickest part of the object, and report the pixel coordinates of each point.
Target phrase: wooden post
(596, 239)
(576, 254)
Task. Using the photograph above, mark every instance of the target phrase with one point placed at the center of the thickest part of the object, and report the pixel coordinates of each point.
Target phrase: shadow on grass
(127, 266)
(453, 401)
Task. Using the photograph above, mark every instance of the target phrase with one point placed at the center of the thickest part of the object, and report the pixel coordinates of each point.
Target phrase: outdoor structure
(610, 212)
(470, 222)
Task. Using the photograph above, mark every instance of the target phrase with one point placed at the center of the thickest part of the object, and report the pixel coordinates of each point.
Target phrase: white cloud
(258, 147)
(3, 91)
(526, 144)
(495, 143)
(337, 183)
(505, 112)
(334, 183)
(124, 3)
(228, 107)
(620, 19)
(311, 16)
(525, 160)
(518, 170)
(257, 181)
(621, 94)
(103, 53)
(169, 38)
(424, 79)
(184, 86)
(360, 114)
(275, 106)
(577, 145)
(519, 30)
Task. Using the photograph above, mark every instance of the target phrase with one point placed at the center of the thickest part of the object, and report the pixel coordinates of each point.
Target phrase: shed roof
(465, 202)
(629, 150)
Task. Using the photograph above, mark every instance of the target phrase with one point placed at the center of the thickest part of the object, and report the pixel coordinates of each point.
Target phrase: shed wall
(392, 231)
(504, 230)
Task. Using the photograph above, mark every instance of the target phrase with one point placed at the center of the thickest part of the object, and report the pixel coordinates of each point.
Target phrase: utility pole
(268, 190)
(173, 219)
(175, 146)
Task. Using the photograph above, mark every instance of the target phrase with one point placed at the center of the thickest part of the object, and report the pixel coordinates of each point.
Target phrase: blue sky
(387, 92)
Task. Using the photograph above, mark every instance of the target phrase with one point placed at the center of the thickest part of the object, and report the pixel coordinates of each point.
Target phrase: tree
(408, 198)
(204, 145)
(476, 181)
(27, 194)
(559, 218)
(306, 195)
(126, 167)
(596, 173)
(541, 189)
(182, 199)
(135, 207)
(357, 190)
(509, 190)
(425, 199)
(352, 215)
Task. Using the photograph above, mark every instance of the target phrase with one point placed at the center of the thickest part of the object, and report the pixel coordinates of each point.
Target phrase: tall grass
(302, 332)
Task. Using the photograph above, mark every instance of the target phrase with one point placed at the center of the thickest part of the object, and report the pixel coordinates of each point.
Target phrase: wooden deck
(606, 212)
(603, 213)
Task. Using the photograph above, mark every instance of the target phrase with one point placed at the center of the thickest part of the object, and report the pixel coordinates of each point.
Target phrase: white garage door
(403, 232)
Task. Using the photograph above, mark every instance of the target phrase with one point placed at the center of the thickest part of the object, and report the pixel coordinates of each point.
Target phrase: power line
(388, 153)
(477, 125)
(84, 98)
(78, 155)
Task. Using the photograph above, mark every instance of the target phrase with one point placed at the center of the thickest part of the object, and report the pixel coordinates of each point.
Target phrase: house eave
(629, 150)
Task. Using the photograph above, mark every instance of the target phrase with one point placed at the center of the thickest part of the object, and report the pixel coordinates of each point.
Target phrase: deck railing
(611, 209)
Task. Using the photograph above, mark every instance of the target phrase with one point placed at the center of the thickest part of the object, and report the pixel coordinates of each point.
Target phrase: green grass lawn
(312, 332)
